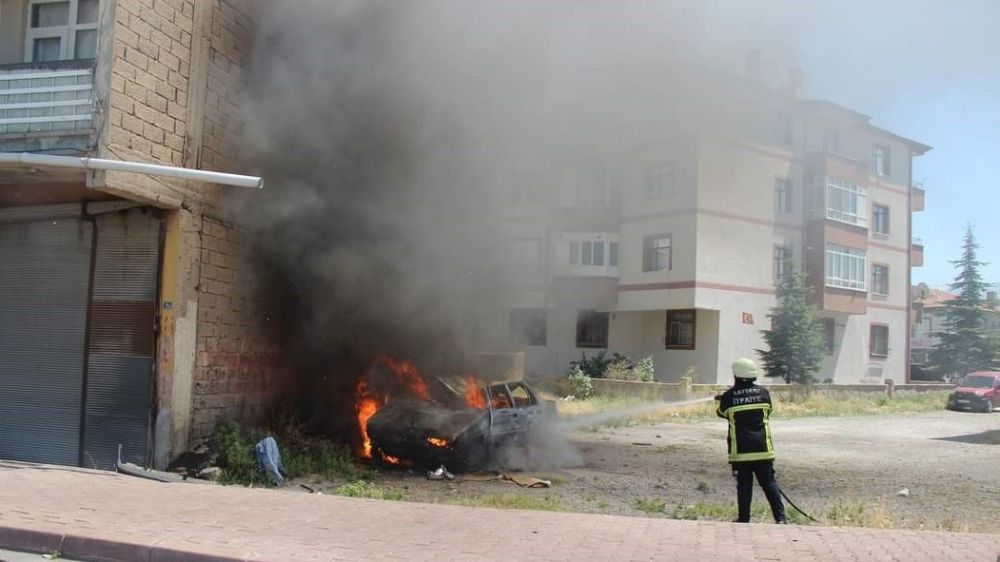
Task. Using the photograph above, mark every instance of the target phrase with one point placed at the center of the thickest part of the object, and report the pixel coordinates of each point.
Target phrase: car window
(520, 395)
(499, 399)
(978, 382)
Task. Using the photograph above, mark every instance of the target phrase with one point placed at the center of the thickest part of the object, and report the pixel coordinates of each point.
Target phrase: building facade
(929, 320)
(129, 314)
(671, 246)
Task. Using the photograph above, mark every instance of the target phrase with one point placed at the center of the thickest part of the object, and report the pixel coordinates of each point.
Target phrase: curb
(81, 547)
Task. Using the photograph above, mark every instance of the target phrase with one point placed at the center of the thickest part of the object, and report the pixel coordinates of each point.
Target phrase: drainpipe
(48, 160)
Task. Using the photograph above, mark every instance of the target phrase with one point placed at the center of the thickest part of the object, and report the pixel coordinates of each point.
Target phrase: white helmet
(746, 369)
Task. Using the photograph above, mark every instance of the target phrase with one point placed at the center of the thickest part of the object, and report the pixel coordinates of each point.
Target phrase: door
(44, 284)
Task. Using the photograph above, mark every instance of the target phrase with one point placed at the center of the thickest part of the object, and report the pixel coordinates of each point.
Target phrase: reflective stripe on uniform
(734, 454)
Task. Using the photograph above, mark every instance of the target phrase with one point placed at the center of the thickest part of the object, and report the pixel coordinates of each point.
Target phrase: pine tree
(965, 345)
(795, 341)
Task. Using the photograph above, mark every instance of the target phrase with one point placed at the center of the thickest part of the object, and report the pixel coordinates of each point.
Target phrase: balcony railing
(46, 99)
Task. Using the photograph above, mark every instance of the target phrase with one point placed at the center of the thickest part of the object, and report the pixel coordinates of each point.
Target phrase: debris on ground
(903, 493)
(642, 444)
(440, 473)
(527, 481)
(210, 473)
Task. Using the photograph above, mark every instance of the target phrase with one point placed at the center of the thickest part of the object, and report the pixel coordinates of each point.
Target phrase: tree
(966, 344)
(795, 340)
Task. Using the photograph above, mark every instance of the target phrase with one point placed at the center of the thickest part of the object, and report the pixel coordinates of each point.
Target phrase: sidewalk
(91, 515)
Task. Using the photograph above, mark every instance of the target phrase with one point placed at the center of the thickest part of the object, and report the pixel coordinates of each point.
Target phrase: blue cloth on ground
(269, 458)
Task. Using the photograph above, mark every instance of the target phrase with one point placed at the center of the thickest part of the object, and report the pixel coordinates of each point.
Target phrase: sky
(925, 70)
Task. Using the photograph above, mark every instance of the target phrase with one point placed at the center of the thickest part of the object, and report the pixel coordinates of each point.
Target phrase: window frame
(588, 314)
(885, 278)
(881, 160)
(829, 335)
(858, 283)
(778, 262)
(873, 329)
(649, 265)
(875, 219)
(694, 329)
(783, 201)
(65, 33)
(659, 181)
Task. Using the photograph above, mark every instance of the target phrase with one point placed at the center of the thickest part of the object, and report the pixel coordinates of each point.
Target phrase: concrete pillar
(685, 388)
(890, 389)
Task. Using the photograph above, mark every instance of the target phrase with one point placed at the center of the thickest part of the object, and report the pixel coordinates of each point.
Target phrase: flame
(408, 375)
(367, 405)
(390, 459)
(474, 395)
(437, 441)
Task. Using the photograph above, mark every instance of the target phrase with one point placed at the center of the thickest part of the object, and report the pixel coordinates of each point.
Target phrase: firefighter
(747, 407)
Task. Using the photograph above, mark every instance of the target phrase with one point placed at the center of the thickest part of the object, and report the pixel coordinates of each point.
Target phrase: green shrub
(235, 455)
(594, 367)
(579, 383)
(645, 370)
(650, 505)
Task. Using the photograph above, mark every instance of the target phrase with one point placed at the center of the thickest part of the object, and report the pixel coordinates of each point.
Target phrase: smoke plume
(391, 133)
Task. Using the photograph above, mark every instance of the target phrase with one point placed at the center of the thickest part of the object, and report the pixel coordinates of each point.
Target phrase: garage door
(71, 389)
(44, 282)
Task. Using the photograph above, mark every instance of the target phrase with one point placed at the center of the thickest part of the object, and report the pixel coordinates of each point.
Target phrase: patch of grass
(786, 405)
(363, 489)
(852, 513)
(653, 505)
(235, 454)
(514, 501)
(705, 511)
(703, 487)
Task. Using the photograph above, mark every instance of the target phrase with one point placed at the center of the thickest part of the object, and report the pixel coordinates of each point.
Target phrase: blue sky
(926, 70)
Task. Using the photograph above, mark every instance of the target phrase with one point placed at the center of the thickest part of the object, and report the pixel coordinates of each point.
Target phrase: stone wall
(237, 372)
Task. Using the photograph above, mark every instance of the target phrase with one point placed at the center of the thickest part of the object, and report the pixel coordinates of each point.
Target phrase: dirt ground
(948, 461)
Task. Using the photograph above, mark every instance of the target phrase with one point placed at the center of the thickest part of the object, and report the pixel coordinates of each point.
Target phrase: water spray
(602, 417)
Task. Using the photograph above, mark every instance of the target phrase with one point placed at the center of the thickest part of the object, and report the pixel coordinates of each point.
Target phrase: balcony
(917, 190)
(46, 106)
(916, 253)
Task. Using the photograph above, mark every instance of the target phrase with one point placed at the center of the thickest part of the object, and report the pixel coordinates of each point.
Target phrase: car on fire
(464, 432)
(977, 391)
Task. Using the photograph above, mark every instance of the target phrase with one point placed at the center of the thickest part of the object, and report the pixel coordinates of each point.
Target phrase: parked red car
(977, 391)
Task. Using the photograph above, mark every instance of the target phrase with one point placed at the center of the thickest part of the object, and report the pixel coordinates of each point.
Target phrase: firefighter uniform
(747, 408)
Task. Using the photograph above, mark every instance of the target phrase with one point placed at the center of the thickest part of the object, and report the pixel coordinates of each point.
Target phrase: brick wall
(237, 372)
(229, 52)
(177, 76)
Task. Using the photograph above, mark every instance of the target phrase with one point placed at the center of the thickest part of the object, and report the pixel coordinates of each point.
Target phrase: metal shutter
(121, 349)
(44, 281)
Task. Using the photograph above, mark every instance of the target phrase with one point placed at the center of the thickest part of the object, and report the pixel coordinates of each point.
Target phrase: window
(786, 129)
(845, 268)
(591, 329)
(829, 334)
(880, 160)
(879, 340)
(528, 326)
(659, 181)
(880, 219)
(880, 279)
(831, 140)
(499, 398)
(520, 395)
(603, 188)
(657, 254)
(680, 329)
(61, 29)
(783, 195)
(593, 253)
(780, 262)
(842, 200)
(525, 254)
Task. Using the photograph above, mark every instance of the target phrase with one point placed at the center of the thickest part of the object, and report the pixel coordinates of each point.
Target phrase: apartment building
(127, 311)
(670, 246)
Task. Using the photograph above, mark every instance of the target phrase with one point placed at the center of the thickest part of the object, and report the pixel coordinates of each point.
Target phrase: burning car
(462, 428)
